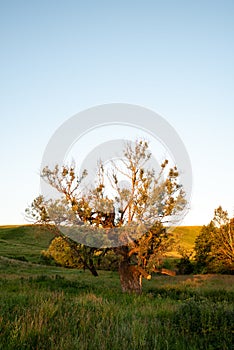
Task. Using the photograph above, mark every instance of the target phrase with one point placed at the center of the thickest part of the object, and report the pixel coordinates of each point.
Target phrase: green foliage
(203, 249)
(185, 265)
(61, 252)
(214, 246)
(109, 261)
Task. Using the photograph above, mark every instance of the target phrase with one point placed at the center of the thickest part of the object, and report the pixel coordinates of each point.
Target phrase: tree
(214, 246)
(62, 254)
(203, 249)
(223, 239)
(128, 220)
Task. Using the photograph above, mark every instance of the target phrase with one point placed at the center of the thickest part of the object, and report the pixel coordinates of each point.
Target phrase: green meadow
(49, 307)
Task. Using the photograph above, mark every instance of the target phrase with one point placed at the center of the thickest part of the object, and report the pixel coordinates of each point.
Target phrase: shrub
(61, 253)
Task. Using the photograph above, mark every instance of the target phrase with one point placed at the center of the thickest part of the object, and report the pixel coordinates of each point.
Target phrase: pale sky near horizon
(173, 57)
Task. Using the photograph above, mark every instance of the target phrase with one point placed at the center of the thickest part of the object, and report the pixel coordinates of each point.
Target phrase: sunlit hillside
(27, 242)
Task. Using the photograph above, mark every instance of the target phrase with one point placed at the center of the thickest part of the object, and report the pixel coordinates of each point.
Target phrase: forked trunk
(130, 278)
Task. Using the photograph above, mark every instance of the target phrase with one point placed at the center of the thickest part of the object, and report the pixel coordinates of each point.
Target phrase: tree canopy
(131, 220)
(214, 246)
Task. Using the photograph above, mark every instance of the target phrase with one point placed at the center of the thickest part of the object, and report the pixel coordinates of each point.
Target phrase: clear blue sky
(60, 57)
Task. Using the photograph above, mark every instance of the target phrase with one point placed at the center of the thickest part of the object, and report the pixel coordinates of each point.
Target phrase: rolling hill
(26, 242)
(23, 242)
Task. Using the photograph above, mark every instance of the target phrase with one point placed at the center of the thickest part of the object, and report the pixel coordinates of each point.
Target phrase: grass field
(47, 307)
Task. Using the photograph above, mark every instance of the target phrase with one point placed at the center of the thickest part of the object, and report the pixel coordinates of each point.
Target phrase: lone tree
(214, 246)
(129, 220)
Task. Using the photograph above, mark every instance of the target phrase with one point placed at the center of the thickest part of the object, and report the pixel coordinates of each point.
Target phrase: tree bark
(165, 271)
(92, 268)
(131, 277)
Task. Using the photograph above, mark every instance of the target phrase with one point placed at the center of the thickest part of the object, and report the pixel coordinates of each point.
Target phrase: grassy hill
(23, 242)
(187, 235)
(26, 242)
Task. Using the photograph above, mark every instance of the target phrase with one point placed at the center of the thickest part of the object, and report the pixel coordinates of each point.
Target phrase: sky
(174, 57)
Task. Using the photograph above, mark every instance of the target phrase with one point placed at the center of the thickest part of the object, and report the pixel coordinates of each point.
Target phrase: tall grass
(61, 312)
(47, 307)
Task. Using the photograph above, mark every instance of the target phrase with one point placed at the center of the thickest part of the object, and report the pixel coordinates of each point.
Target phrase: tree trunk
(130, 278)
(92, 268)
